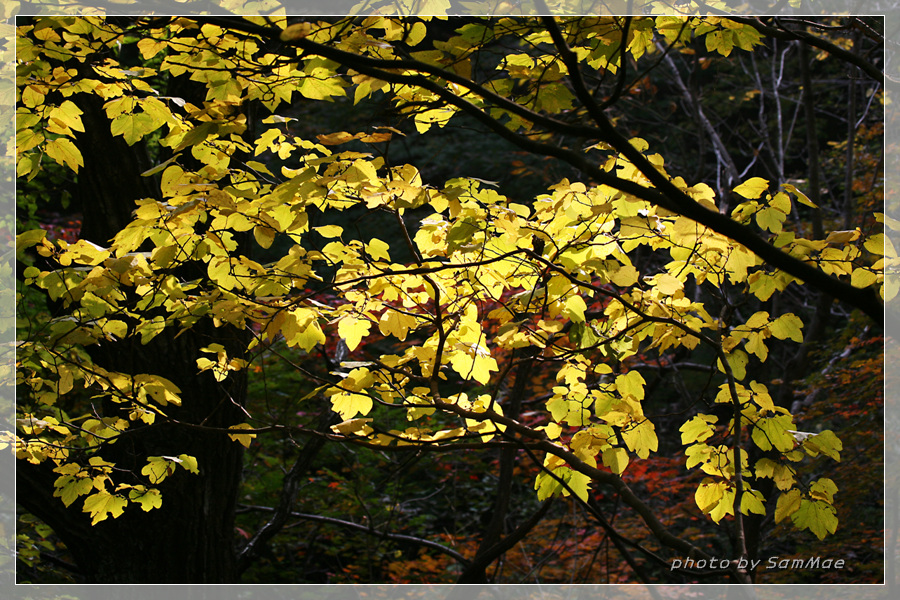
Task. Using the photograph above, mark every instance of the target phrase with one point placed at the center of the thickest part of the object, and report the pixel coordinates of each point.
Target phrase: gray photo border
(8, 589)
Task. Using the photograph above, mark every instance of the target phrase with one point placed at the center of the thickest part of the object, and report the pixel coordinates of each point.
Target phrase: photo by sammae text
(744, 564)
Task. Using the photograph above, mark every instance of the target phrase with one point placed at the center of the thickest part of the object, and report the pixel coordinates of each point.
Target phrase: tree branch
(386, 535)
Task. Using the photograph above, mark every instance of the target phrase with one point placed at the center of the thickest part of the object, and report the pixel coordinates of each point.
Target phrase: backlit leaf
(752, 188)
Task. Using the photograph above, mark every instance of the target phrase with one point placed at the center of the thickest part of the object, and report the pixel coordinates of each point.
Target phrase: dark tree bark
(190, 538)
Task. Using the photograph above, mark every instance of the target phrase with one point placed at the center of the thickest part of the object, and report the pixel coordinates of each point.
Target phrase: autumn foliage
(607, 373)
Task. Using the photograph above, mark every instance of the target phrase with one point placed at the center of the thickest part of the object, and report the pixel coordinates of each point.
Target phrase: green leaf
(817, 516)
(824, 442)
(132, 126)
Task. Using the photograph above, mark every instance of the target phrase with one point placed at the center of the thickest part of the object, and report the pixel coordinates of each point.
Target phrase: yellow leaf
(752, 188)
(575, 307)
(625, 276)
(774, 431)
(641, 438)
(473, 361)
(378, 249)
(579, 483)
(709, 494)
(801, 197)
(630, 384)
(396, 323)
(787, 326)
(329, 231)
(737, 360)
(861, 278)
(103, 504)
(243, 438)
(264, 236)
(159, 388)
(147, 498)
(350, 404)
(69, 488)
(353, 330)
(150, 47)
(842, 237)
(63, 151)
(771, 219)
(301, 328)
(189, 463)
(787, 504)
(28, 239)
(668, 285)
(877, 244)
(824, 442)
(157, 469)
(697, 429)
(358, 426)
(616, 459)
(752, 502)
(337, 138)
(296, 31)
(69, 114)
(816, 515)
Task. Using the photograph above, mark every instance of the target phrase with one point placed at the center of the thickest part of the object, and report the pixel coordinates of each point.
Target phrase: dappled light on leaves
(427, 315)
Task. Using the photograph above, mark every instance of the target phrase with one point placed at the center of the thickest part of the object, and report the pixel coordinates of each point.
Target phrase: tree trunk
(190, 538)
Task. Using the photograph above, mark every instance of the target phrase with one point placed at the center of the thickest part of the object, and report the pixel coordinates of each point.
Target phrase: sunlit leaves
(353, 330)
(815, 513)
(461, 288)
(244, 439)
(104, 504)
(774, 431)
(558, 479)
(640, 437)
(697, 429)
(159, 468)
(752, 188)
(63, 151)
(396, 323)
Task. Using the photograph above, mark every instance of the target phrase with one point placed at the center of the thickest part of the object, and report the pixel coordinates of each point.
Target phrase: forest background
(331, 491)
